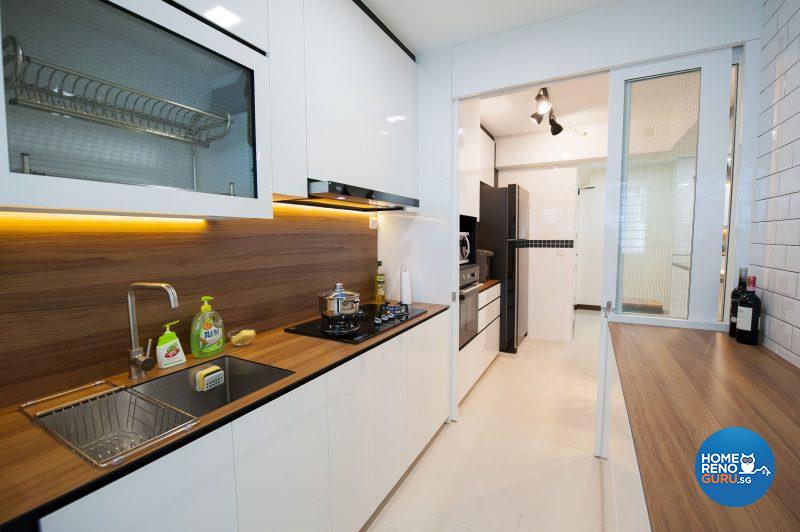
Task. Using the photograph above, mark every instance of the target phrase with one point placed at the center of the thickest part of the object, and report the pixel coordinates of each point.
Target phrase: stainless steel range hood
(335, 195)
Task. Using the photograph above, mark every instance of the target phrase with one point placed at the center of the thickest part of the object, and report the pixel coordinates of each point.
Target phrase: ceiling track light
(537, 118)
(543, 104)
(555, 127)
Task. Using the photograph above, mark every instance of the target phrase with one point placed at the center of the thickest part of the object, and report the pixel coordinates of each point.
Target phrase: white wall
(621, 33)
(775, 252)
(589, 242)
(544, 148)
(551, 281)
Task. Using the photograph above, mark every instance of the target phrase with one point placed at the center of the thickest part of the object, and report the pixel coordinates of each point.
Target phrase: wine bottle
(738, 292)
(748, 314)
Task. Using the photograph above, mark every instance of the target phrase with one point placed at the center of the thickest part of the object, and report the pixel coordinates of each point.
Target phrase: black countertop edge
(29, 521)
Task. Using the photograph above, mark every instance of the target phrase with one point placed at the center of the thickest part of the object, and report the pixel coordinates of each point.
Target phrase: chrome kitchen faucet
(140, 363)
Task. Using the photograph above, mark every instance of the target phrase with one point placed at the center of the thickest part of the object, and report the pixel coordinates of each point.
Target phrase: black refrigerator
(503, 229)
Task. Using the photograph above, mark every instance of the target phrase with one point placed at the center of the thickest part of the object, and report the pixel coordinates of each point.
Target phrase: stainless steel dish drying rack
(40, 85)
(106, 427)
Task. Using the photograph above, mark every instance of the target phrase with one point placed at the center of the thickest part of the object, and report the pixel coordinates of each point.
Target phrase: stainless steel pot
(339, 303)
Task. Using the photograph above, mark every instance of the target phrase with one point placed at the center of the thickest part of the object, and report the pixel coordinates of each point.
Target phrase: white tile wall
(551, 281)
(775, 248)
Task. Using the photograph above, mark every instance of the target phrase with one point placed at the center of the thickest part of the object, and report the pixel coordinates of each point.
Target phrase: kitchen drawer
(488, 313)
(475, 357)
(487, 296)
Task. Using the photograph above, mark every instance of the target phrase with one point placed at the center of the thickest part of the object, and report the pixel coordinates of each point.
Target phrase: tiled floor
(520, 455)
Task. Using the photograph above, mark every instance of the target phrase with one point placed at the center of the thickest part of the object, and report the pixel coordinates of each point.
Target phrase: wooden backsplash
(63, 283)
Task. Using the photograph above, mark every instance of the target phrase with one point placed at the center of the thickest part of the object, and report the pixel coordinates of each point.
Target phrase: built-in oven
(468, 304)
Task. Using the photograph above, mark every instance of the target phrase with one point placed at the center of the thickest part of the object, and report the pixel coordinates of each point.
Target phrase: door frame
(710, 177)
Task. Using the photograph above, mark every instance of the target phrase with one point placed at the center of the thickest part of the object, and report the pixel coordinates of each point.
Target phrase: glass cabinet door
(94, 92)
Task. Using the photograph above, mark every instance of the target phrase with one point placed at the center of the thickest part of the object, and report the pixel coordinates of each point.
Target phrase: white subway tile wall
(551, 281)
(775, 250)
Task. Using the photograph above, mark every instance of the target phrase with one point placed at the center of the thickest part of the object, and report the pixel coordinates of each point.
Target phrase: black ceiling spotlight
(555, 127)
(537, 118)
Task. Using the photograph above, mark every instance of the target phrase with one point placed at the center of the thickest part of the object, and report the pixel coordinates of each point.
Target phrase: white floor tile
(520, 456)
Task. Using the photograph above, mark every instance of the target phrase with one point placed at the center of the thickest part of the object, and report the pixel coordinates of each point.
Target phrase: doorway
(556, 157)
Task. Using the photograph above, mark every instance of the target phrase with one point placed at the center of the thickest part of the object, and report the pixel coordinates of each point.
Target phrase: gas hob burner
(338, 328)
(394, 310)
(372, 319)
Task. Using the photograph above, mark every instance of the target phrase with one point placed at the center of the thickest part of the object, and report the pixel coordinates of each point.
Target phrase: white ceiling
(576, 102)
(425, 25)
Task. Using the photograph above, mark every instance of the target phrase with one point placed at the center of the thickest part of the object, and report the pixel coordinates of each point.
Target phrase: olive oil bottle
(380, 285)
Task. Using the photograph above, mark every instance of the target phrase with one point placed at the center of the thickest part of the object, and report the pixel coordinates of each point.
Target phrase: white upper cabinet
(243, 18)
(487, 159)
(391, 115)
(350, 115)
(150, 112)
(469, 157)
(336, 78)
(288, 97)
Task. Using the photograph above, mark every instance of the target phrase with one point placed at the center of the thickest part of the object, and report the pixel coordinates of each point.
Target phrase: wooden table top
(38, 474)
(680, 386)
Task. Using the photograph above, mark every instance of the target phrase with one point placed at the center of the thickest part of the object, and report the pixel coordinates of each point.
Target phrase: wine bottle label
(744, 318)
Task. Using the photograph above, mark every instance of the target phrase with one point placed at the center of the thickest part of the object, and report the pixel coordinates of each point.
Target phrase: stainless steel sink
(108, 424)
(105, 423)
(242, 377)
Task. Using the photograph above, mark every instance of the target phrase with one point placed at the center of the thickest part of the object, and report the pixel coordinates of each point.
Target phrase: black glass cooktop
(360, 328)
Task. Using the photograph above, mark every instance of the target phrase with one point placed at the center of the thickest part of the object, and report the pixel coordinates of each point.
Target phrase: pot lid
(340, 293)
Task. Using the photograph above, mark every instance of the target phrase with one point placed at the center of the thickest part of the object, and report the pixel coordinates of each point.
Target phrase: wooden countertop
(680, 386)
(487, 284)
(38, 474)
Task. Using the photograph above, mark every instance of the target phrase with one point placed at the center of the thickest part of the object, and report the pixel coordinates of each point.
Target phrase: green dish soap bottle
(208, 335)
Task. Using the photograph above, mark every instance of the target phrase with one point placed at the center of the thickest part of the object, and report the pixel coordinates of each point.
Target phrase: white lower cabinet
(428, 381)
(321, 457)
(282, 465)
(475, 357)
(391, 413)
(191, 488)
(627, 507)
(351, 442)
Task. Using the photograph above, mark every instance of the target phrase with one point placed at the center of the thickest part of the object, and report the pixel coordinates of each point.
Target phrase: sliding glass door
(666, 193)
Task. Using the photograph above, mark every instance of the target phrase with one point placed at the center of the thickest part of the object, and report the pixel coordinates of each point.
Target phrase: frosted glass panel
(93, 92)
(657, 195)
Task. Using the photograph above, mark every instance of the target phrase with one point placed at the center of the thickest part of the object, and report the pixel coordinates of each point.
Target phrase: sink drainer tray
(108, 425)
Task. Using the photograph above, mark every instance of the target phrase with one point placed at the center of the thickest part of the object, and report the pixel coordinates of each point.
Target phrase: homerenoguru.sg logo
(734, 466)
